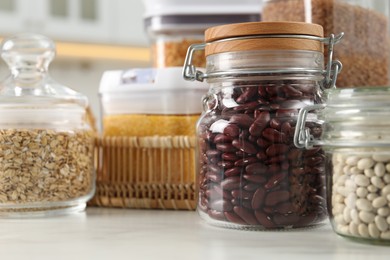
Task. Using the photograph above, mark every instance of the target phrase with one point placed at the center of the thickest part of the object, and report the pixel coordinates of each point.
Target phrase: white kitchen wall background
(108, 22)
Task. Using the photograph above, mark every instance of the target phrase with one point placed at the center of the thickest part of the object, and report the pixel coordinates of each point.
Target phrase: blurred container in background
(173, 25)
(365, 48)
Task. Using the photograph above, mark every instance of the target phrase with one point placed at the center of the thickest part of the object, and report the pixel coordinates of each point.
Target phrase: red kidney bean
(275, 180)
(252, 186)
(233, 171)
(274, 135)
(242, 194)
(232, 217)
(256, 168)
(229, 157)
(276, 149)
(245, 161)
(232, 130)
(244, 146)
(250, 171)
(261, 156)
(255, 178)
(263, 143)
(226, 147)
(260, 123)
(246, 215)
(276, 197)
(275, 123)
(258, 198)
(232, 183)
(221, 138)
(249, 93)
(242, 120)
(225, 164)
(264, 219)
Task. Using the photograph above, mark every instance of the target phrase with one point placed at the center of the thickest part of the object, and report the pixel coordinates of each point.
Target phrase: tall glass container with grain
(46, 142)
(173, 25)
(365, 49)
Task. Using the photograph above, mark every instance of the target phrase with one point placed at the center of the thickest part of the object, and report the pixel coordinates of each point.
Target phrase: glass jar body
(47, 165)
(365, 50)
(359, 193)
(250, 174)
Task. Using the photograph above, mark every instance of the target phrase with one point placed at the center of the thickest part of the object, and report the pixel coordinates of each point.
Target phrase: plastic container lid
(184, 15)
(178, 7)
(150, 91)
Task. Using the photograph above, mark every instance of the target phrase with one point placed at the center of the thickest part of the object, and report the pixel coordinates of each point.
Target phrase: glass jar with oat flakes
(173, 25)
(46, 141)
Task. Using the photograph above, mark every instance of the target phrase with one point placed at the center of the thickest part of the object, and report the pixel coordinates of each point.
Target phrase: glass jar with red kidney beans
(250, 174)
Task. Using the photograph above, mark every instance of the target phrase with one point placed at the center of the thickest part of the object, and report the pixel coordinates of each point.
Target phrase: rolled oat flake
(46, 141)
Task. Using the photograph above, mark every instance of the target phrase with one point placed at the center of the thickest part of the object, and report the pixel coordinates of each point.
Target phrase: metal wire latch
(333, 67)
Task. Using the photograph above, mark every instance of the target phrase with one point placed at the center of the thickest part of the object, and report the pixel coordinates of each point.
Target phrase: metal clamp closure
(333, 67)
(302, 136)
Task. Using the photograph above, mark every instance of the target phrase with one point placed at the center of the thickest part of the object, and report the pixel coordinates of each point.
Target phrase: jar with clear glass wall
(356, 140)
(250, 175)
(46, 141)
(365, 49)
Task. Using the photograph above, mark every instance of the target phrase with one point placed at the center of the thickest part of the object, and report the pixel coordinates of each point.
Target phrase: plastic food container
(46, 143)
(355, 137)
(147, 152)
(148, 102)
(173, 25)
(260, 75)
(366, 47)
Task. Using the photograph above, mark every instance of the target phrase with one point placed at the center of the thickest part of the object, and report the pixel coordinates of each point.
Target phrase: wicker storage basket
(146, 172)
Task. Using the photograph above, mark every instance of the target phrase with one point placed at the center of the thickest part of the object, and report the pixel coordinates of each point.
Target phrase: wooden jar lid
(263, 28)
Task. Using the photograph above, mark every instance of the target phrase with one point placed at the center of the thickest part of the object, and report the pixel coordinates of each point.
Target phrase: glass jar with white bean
(356, 140)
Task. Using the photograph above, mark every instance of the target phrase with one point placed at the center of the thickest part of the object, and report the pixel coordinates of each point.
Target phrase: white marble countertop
(103, 233)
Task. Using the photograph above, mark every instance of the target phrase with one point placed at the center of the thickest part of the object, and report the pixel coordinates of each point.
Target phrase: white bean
(352, 160)
(388, 220)
(353, 229)
(379, 169)
(379, 202)
(385, 235)
(347, 215)
(363, 204)
(381, 223)
(377, 182)
(350, 201)
(384, 212)
(369, 173)
(361, 192)
(362, 180)
(381, 157)
(366, 217)
(386, 178)
(388, 167)
(372, 188)
(355, 216)
(386, 190)
(363, 230)
(365, 163)
(373, 230)
(372, 196)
